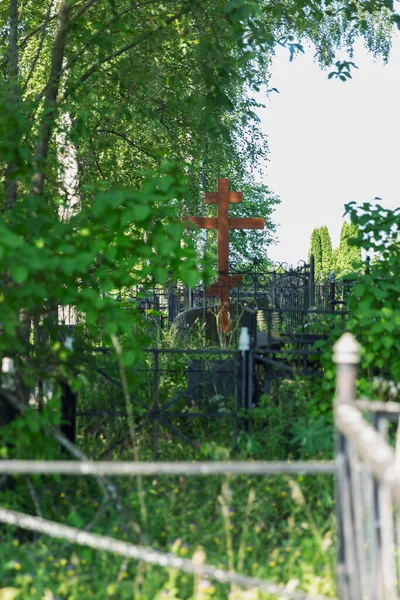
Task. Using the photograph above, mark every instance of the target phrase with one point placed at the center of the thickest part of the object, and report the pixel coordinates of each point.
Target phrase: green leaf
(175, 230)
(141, 212)
(160, 274)
(387, 341)
(165, 183)
(75, 519)
(106, 200)
(34, 425)
(396, 20)
(9, 239)
(190, 277)
(19, 273)
(378, 293)
(129, 357)
(110, 328)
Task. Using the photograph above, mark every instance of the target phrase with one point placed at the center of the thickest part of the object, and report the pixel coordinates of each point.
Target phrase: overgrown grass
(271, 527)
(277, 528)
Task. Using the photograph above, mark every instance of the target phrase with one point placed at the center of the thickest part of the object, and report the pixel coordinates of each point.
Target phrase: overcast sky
(330, 143)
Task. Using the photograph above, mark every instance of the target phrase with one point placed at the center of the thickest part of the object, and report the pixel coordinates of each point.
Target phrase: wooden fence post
(346, 355)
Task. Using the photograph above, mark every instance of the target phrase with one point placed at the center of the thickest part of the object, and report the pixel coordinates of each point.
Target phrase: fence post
(8, 384)
(346, 355)
(8, 373)
(171, 303)
(332, 291)
(155, 403)
(69, 400)
(311, 283)
(368, 265)
(244, 347)
(188, 298)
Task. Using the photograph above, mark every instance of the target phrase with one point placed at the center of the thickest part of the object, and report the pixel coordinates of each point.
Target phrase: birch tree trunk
(68, 175)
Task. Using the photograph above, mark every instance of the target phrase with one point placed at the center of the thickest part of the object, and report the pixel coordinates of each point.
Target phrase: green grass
(262, 526)
(276, 528)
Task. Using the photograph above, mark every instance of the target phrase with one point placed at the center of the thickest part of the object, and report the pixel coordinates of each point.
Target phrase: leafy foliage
(326, 249)
(343, 260)
(119, 88)
(321, 248)
(95, 99)
(348, 255)
(47, 262)
(316, 251)
(374, 302)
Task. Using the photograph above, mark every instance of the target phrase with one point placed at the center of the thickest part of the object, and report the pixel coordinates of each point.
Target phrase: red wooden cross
(223, 223)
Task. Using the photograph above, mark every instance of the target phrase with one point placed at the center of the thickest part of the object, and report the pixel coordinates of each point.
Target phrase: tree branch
(50, 101)
(13, 98)
(84, 8)
(41, 42)
(127, 140)
(78, 55)
(96, 66)
(13, 45)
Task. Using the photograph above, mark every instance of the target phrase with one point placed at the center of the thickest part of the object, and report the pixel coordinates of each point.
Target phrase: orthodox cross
(223, 223)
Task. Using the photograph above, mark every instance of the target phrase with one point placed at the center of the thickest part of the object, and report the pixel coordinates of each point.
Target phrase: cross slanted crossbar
(223, 223)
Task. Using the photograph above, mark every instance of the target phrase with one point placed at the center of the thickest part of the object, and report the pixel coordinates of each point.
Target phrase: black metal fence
(178, 394)
(284, 288)
(188, 388)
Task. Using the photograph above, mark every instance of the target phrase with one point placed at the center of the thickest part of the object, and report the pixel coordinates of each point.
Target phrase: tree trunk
(13, 98)
(50, 100)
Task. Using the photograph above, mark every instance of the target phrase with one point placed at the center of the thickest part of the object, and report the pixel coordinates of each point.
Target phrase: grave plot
(284, 310)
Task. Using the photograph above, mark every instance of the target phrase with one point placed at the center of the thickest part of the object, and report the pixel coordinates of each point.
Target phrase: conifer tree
(326, 250)
(316, 250)
(348, 255)
(335, 260)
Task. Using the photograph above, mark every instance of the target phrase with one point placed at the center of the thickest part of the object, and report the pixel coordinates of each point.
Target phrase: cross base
(221, 289)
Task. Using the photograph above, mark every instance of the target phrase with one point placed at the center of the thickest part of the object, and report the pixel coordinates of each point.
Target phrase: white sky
(330, 143)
